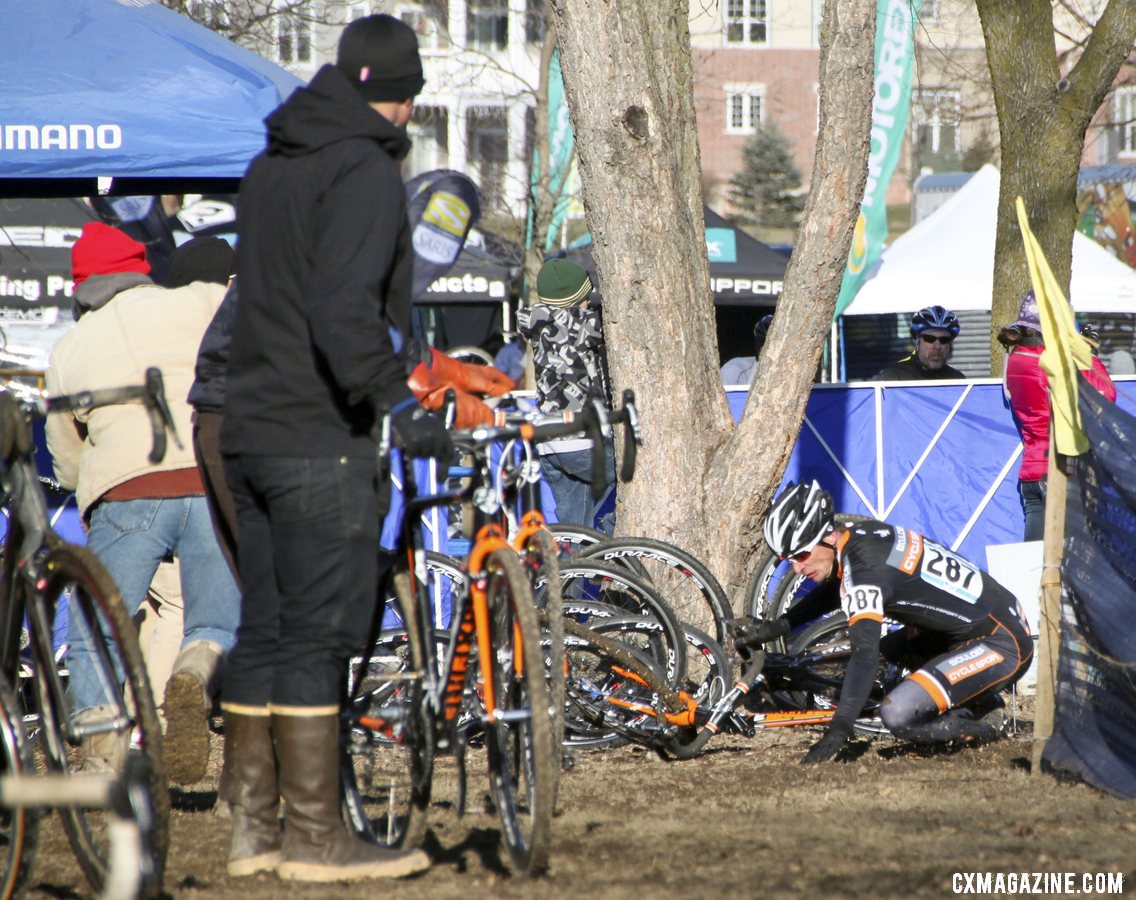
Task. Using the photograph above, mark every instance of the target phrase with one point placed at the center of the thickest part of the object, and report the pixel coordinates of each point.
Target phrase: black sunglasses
(933, 339)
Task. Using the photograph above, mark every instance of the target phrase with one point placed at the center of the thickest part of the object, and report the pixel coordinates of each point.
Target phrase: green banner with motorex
(895, 43)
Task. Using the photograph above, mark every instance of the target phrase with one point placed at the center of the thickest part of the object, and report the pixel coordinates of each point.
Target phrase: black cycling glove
(750, 634)
(829, 745)
(418, 432)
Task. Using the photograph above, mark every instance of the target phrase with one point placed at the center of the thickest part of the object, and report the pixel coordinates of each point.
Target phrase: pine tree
(765, 190)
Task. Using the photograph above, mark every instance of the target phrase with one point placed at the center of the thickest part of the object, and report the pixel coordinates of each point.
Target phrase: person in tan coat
(140, 513)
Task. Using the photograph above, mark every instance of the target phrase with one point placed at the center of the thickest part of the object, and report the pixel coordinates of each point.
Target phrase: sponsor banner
(895, 44)
(442, 206)
(467, 285)
(745, 287)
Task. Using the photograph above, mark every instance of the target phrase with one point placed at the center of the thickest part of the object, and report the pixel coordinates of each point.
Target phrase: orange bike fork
(489, 539)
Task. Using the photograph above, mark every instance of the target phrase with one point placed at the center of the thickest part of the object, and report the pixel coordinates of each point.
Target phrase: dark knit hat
(379, 54)
(563, 283)
(104, 250)
(201, 259)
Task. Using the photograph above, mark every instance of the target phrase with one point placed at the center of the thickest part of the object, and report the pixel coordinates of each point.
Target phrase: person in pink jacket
(1027, 389)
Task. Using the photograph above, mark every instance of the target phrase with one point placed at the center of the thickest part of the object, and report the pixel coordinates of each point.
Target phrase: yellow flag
(1065, 350)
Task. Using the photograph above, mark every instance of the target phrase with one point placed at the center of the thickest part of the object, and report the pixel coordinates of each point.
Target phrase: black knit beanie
(379, 54)
(201, 259)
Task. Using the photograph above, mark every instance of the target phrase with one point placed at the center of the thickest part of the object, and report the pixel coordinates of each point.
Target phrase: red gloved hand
(470, 412)
(474, 379)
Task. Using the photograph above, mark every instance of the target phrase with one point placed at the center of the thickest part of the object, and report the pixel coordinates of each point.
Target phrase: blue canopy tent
(126, 97)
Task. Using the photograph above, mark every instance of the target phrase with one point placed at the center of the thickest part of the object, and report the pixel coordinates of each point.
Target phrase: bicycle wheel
(762, 585)
(571, 539)
(686, 585)
(128, 721)
(388, 765)
(613, 689)
(543, 565)
(518, 732)
(18, 826)
(589, 581)
(824, 649)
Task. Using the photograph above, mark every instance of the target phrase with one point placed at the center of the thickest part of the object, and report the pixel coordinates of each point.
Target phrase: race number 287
(951, 573)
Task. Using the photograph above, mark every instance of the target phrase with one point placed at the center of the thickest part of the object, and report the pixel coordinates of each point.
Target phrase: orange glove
(474, 379)
(470, 413)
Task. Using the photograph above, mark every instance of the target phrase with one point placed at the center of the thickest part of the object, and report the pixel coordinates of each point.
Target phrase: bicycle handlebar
(593, 420)
(152, 393)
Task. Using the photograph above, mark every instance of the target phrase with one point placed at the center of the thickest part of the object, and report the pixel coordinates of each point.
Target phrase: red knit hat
(103, 250)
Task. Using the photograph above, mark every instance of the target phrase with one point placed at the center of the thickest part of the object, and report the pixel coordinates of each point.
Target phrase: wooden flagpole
(1049, 639)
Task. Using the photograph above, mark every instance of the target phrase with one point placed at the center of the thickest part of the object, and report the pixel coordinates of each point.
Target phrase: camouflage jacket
(568, 355)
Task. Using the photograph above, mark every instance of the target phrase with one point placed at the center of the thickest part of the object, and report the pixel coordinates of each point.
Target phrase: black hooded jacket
(324, 263)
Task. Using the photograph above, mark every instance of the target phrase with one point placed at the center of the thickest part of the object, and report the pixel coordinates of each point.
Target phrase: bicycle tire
(603, 674)
(467, 353)
(827, 640)
(762, 585)
(521, 761)
(388, 760)
(688, 587)
(94, 598)
(572, 538)
(542, 562)
(19, 825)
(596, 581)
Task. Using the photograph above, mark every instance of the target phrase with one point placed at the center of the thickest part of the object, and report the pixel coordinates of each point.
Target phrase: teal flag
(895, 45)
(562, 144)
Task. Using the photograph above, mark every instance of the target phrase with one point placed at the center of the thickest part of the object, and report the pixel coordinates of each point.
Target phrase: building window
(935, 120)
(294, 36)
(428, 21)
(429, 131)
(746, 21)
(487, 24)
(745, 109)
(209, 13)
(929, 12)
(536, 21)
(488, 152)
(1124, 119)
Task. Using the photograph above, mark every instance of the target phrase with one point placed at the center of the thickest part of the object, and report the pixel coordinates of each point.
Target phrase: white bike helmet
(798, 519)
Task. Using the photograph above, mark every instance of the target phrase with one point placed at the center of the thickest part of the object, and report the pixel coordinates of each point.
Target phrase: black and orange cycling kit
(974, 627)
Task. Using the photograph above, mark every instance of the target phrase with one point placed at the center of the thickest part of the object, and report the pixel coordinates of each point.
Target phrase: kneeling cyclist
(965, 631)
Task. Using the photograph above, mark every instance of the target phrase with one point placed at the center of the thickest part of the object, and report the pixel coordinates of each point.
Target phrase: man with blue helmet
(933, 329)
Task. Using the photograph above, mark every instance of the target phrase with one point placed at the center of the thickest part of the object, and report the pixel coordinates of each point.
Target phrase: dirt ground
(743, 820)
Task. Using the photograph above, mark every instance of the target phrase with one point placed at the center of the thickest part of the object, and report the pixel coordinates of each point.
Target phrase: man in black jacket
(324, 263)
(933, 329)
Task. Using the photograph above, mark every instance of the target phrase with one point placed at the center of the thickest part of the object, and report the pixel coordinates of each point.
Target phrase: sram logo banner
(78, 136)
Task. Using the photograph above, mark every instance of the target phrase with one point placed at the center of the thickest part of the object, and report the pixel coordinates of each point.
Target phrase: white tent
(948, 259)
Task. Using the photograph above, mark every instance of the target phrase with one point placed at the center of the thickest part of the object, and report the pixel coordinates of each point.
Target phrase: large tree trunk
(1042, 119)
(702, 483)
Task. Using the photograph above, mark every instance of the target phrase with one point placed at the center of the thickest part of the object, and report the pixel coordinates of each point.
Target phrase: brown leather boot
(249, 779)
(317, 845)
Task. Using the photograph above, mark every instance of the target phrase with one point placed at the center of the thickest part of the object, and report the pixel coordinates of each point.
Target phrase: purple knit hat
(1028, 316)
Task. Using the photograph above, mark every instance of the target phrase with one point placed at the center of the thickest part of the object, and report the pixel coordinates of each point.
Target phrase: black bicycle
(39, 571)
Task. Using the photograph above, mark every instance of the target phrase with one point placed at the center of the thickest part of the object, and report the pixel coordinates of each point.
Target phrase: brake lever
(161, 420)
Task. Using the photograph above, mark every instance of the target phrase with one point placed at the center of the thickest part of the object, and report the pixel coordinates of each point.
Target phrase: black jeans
(308, 558)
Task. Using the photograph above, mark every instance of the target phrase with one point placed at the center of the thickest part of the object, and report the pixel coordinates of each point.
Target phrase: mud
(743, 820)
